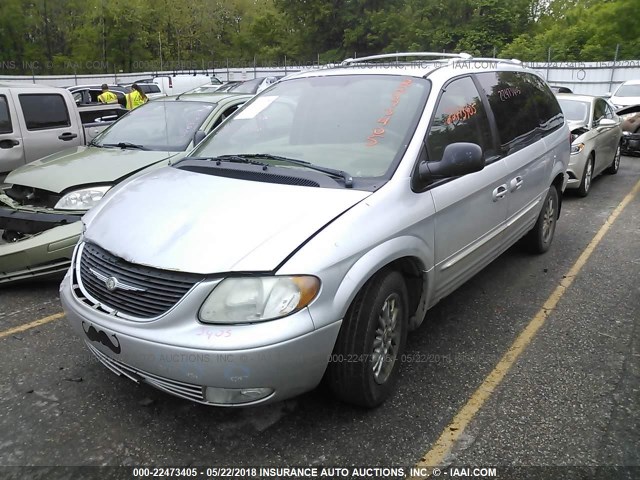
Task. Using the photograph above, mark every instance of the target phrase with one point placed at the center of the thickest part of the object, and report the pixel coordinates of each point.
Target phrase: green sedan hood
(85, 166)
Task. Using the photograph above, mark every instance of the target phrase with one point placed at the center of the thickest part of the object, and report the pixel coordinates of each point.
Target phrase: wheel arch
(557, 182)
(407, 255)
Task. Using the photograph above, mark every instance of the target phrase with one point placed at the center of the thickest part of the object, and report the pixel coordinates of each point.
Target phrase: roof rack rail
(463, 56)
(513, 61)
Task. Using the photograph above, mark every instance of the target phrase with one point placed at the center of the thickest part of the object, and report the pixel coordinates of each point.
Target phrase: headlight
(256, 299)
(577, 148)
(82, 199)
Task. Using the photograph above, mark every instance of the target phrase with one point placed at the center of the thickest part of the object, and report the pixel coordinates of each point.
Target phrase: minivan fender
(381, 256)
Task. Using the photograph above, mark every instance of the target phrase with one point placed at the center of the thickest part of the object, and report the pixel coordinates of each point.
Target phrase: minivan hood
(83, 166)
(178, 220)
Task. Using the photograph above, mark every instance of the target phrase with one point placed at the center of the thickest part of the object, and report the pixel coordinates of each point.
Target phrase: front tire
(364, 366)
(587, 177)
(540, 237)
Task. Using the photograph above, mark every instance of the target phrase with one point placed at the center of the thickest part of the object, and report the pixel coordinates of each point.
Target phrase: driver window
(459, 117)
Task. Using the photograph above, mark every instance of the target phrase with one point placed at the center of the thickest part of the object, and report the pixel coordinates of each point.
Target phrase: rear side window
(43, 111)
(460, 117)
(524, 107)
(150, 88)
(5, 118)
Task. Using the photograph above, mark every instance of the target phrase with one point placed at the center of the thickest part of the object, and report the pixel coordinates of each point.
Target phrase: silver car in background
(595, 139)
(312, 231)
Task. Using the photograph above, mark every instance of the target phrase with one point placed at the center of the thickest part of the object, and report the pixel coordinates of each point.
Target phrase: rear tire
(615, 164)
(587, 177)
(365, 363)
(540, 237)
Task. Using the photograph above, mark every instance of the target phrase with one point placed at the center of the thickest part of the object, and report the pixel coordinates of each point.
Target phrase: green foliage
(585, 30)
(106, 36)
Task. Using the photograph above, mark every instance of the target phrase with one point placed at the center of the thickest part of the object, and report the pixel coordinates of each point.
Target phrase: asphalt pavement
(571, 400)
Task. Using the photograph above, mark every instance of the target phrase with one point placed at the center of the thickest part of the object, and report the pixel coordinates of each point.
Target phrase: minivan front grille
(127, 288)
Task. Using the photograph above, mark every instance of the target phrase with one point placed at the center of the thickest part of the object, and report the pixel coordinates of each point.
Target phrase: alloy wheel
(387, 339)
(548, 220)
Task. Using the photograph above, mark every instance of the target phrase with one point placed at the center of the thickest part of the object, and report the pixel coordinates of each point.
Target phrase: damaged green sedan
(42, 202)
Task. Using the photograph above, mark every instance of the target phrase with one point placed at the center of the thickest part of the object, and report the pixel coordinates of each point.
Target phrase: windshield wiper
(125, 145)
(230, 158)
(348, 179)
(93, 143)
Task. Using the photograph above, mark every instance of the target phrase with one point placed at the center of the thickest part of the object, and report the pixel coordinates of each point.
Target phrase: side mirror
(607, 122)
(198, 137)
(458, 159)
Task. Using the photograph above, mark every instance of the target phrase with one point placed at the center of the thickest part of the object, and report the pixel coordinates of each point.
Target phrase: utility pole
(160, 44)
(104, 37)
(613, 68)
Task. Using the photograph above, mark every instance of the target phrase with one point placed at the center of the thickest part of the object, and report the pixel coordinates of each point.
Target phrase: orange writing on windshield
(378, 132)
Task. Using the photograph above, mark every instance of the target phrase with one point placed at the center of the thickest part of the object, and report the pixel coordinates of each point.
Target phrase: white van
(175, 85)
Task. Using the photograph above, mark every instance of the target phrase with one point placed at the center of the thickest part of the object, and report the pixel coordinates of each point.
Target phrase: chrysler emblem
(111, 283)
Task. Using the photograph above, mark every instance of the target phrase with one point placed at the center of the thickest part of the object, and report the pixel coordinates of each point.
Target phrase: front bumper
(575, 170)
(29, 222)
(290, 360)
(45, 254)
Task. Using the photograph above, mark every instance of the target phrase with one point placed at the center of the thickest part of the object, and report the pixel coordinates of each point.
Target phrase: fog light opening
(232, 396)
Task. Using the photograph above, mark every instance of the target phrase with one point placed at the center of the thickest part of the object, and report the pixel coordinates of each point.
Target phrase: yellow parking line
(442, 446)
(35, 323)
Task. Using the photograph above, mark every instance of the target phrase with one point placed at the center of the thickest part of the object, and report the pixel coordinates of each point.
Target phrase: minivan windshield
(157, 125)
(574, 110)
(359, 124)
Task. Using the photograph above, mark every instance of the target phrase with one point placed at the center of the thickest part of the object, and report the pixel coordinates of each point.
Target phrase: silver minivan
(310, 233)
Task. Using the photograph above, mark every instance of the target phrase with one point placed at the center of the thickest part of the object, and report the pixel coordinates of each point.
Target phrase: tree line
(108, 36)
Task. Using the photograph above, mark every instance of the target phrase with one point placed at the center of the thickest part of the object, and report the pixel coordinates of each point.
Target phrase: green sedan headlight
(82, 199)
(257, 299)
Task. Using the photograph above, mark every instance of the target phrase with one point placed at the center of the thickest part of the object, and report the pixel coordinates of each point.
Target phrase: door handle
(499, 192)
(67, 136)
(9, 143)
(515, 183)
